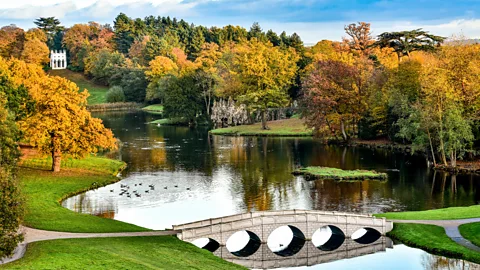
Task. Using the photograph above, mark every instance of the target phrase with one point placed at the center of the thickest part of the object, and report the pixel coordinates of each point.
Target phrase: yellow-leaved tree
(61, 124)
(35, 49)
(265, 72)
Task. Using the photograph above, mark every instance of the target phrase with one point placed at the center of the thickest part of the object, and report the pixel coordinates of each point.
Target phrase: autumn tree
(35, 49)
(406, 42)
(61, 125)
(137, 51)
(264, 74)
(206, 73)
(437, 120)
(333, 98)
(160, 68)
(11, 41)
(360, 37)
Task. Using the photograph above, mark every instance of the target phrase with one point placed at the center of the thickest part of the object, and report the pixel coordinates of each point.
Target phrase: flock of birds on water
(125, 189)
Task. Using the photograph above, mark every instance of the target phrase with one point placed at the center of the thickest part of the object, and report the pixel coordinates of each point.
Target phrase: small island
(314, 173)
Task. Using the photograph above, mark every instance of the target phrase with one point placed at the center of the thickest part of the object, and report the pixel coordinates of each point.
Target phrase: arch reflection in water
(328, 238)
(366, 236)
(207, 243)
(243, 243)
(286, 240)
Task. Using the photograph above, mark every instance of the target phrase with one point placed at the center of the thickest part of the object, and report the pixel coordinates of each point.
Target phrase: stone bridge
(264, 223)
(309, 255)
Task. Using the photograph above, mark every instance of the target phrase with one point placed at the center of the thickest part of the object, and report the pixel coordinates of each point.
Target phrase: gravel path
(33, 235)
(451, 229)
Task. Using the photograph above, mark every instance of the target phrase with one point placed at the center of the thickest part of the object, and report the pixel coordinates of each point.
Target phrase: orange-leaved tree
(61, 124)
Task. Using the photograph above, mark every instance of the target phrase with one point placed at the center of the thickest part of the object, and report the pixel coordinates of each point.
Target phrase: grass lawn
(471, 231)
(432, 239)
(154, 109)
(338, 174)
(153, 252)
(170, 122)
(287, 127)
(97, 92)
(444, 213)
(44, 190)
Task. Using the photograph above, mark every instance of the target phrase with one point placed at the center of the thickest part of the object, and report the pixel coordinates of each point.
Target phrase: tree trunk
(344, 134)
(264, 120)
(442, 152)
(56, 153)
(431, 149)
(453, 159)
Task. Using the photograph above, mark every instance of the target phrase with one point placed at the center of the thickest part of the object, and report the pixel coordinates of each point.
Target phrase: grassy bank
(97, 92)
(155, 252)
(154, 109)
(471, 231)
(312, 173)
(286, 127)
(170, 122)
(432, 239)
(44, 190)
(437, 214)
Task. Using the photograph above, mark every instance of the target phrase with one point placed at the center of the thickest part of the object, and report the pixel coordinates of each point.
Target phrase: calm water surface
(197, 176)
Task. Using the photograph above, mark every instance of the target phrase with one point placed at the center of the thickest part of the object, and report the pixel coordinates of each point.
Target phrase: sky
(313, 20)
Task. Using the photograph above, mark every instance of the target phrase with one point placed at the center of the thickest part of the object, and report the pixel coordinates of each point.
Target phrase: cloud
(313, 20)
(32, 12)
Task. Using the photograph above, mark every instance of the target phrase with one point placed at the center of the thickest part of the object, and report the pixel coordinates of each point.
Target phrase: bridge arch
(243, 243)
(328, 238)
(366, 235)
(286, 240)
(207, 243)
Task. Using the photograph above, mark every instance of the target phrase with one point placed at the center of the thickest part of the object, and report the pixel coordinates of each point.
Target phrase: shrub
(115, 94)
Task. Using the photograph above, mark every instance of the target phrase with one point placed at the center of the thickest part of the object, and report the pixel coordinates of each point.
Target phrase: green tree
(256, 32)
(273, 38)
(124, 36)
(115, 94)
(101, 65)
(162, 46)
(11, 203)
(195, 43)
(183, 98)
(133, 82)
(52, 28)
(406, 42)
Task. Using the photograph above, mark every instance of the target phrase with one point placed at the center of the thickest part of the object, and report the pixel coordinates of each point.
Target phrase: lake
(183, 174)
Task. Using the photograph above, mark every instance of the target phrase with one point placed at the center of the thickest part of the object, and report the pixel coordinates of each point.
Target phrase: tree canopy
(406, 42)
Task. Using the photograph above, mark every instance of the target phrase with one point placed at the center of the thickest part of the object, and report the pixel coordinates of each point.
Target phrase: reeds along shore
(118, 106)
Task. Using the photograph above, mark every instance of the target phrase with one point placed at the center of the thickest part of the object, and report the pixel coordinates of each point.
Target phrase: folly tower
(58, 59)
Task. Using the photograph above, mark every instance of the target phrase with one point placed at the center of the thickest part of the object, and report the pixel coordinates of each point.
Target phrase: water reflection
(197, 176)
(229, 175)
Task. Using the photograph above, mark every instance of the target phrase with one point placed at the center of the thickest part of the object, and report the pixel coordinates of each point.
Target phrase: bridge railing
(239, 217)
